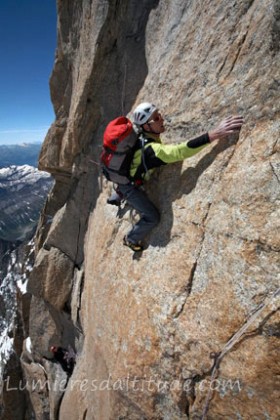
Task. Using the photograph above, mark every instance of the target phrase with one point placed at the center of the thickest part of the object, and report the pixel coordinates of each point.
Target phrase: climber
(66, 358)
(149, 123)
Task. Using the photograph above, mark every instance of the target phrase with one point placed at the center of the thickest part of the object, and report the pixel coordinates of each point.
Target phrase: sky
(27, 51)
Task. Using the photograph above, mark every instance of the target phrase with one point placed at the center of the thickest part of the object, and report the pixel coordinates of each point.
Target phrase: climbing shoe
(115, 199)
(136, 247)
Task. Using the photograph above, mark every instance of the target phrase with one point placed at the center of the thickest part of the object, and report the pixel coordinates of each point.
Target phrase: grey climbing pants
(149, 215)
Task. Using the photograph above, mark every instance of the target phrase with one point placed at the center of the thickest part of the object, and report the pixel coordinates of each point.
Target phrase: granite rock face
(152, 333)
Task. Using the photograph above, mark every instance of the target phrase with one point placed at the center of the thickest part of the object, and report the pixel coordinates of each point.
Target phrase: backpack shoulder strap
(143, 141)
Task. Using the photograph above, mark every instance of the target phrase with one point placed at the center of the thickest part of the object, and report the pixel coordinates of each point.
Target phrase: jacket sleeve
(170, 153)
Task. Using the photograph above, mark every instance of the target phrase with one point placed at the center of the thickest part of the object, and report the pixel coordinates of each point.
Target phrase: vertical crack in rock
(188, 289)
(114, 233)
(189, 284)
(79, 321)
(275, 167)
(239, 48)
(81, 232)
(249, 5)
(222, 66)
(275, 38)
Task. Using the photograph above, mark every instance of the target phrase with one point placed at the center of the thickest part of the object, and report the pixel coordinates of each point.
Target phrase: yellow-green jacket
(155, 154)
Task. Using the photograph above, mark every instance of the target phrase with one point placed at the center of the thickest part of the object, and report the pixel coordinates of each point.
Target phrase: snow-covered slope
(14, 276)
(23, 190)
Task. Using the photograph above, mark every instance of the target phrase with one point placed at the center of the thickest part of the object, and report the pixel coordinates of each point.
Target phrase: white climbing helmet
(142, 113)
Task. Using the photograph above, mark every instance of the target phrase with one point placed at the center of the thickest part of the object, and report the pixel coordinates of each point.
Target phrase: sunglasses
(157, 118)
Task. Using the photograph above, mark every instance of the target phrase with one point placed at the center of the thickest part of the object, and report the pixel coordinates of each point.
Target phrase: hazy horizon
(28, 139)
(23, 143)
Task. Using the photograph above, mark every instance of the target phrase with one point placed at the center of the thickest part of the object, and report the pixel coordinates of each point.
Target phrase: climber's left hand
(228, 126)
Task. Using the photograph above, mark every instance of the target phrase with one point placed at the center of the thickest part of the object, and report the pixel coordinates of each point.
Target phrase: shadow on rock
(170, 190)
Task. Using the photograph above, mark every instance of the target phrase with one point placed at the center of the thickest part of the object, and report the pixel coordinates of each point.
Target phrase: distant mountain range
(23, 191)
(19, 154)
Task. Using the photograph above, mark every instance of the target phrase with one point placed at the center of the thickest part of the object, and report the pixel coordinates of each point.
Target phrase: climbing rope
(234, 339)
(124, 83)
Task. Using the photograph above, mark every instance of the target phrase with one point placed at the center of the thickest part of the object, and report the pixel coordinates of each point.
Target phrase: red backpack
(119, 145)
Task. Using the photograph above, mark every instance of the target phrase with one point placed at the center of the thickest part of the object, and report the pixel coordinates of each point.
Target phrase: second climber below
(149, 122)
